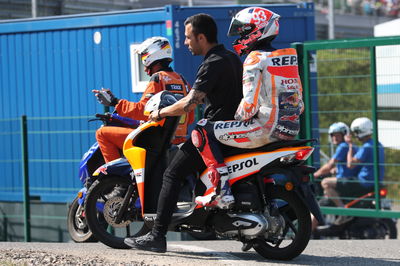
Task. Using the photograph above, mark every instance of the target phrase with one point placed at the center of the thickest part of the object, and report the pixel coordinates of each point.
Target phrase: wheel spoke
(292, 226)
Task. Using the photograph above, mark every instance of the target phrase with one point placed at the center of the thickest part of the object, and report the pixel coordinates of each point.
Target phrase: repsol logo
(289, 60)
(233, 124)
(241, 165)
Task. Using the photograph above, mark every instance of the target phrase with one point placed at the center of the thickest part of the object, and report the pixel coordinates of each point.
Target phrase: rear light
(383, 192)
(303, 154)
(300, 155)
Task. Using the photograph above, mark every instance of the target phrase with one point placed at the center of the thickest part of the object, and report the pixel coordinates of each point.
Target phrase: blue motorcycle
(92, 160)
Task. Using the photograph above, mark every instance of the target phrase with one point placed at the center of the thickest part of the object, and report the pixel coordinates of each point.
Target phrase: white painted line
(225, 258)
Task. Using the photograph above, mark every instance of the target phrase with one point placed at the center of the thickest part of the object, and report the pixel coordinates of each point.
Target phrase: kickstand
(247, 245)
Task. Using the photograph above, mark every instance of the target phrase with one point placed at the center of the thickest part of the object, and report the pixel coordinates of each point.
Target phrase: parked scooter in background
(360, 227)
(91, 160)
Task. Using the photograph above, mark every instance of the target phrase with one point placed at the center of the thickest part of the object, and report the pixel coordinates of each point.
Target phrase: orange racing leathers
(111, 139)
(269, 110)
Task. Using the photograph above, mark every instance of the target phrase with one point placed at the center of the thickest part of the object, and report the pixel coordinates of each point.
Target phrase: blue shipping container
(48, 67)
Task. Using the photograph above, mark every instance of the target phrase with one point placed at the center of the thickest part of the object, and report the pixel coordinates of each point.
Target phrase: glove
(106, 98)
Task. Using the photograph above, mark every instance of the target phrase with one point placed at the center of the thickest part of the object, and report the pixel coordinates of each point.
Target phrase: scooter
(91, 160)
(360, 227)
(271, 185)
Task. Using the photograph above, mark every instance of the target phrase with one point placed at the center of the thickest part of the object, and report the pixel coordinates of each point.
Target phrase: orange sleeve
(135, 110)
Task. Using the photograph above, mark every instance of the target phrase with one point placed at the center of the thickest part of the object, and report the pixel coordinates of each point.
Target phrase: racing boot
(221, 196)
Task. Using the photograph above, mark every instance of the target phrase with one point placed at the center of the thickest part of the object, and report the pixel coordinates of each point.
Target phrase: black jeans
(186, 161)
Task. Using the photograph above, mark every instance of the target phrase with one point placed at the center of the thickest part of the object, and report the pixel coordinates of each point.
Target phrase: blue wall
(49, 66)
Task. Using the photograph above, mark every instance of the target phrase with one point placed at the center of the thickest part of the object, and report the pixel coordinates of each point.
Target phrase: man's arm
(351, 161)
(325, 169)
(184, 105)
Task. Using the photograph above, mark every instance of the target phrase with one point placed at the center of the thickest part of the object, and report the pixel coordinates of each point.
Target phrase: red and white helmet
(154, 49)
(253, 24)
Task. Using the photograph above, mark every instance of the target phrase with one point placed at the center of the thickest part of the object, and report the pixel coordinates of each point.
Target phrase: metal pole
(331, 20)
(25, 174)
(34, 8)
(375, 124)
(190, 2)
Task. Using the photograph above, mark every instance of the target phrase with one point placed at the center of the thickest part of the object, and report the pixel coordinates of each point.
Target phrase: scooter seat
(269, 147)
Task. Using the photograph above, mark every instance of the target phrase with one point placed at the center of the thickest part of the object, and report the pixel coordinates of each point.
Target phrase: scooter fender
(302, 189)
(307, 195)
(118, 167)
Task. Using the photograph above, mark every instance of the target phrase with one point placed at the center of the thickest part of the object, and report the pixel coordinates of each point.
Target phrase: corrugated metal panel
(49, 66)
(48, 69)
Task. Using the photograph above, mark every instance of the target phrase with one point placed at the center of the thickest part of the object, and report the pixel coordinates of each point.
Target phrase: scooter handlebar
(110, 118)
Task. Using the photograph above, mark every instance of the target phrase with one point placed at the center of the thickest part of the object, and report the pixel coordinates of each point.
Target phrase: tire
(114, 236)
(390, 227)
(77, 224)
(296, 215)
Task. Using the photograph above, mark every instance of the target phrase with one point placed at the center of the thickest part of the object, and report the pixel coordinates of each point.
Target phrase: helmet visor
(239, 28)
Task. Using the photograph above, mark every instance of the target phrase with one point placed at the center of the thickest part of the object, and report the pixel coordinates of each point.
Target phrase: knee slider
(198, 139)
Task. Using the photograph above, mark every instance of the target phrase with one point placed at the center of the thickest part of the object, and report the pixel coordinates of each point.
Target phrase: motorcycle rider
(337, 165)
(156, 55)
(218, 84)
(271, 105)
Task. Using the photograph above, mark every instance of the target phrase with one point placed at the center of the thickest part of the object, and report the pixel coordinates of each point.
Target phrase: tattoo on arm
(195, 97)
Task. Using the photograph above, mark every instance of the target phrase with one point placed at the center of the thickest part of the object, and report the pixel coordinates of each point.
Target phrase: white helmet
(160, 100)
(339, 127)
(361, 127)
(154, 49)
(253, 24)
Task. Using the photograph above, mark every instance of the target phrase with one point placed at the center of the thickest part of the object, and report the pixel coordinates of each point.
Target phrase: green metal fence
(24, 215)
(347, 79)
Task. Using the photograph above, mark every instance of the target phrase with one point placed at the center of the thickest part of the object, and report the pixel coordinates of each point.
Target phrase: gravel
(31, 257)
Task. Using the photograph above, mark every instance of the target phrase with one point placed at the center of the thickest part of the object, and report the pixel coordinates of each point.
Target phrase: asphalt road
(202, 253)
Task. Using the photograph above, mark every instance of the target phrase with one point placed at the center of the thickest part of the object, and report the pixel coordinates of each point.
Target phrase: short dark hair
(205, 24)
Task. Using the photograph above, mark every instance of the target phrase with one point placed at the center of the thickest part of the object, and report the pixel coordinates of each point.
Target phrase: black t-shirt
(220, 77)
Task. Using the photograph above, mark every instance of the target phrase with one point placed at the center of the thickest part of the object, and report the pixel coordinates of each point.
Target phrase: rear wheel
(296, 232)
(389, 227)
(106, 196)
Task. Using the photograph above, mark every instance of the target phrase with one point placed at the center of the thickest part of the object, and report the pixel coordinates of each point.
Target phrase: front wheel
(295, 233)
(77, 225)
(106, 196)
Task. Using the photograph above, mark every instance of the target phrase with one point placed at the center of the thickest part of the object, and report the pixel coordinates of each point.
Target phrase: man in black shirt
(219, 85)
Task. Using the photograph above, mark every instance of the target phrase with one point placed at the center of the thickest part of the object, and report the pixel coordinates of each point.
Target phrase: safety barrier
(39, 165)
(347, 79)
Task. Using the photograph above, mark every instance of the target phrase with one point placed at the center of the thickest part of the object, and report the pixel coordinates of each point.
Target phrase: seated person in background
(363, 159)
(362, 130)
(333, 185)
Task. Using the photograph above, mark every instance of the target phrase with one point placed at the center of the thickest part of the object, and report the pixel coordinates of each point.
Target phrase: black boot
(148, 242)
